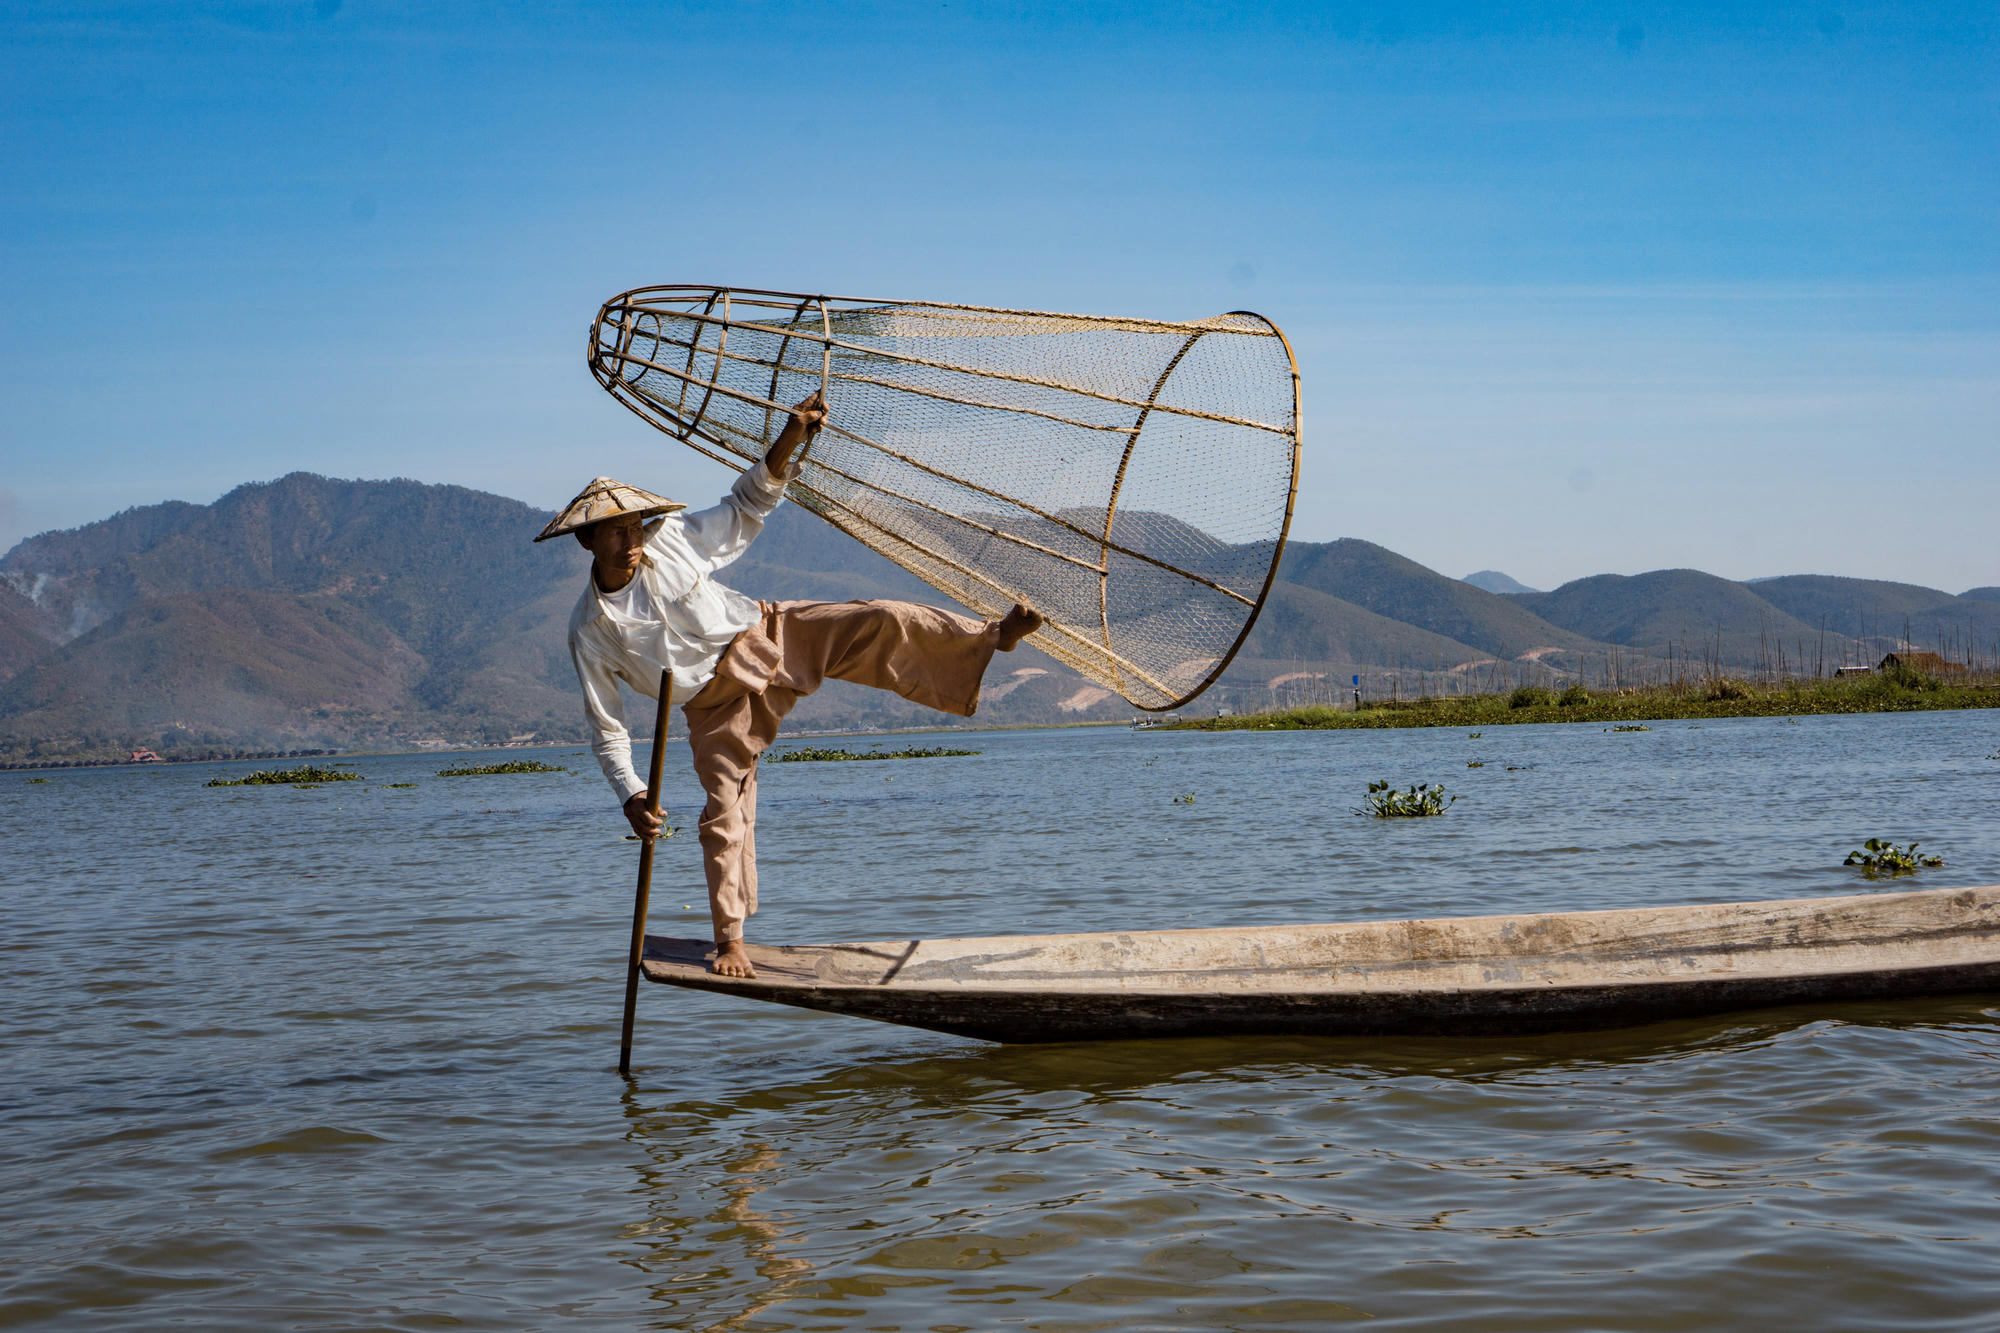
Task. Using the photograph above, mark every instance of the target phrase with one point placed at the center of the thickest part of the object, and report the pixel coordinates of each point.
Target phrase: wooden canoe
(1478, 975)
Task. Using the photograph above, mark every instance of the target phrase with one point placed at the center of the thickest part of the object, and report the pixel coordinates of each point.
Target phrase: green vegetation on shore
(1889, 692)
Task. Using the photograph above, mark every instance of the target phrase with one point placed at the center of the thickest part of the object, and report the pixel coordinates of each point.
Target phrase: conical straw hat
(605, 498)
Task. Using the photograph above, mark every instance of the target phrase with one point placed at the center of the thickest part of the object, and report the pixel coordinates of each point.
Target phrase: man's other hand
(644, 822)
(808, 415)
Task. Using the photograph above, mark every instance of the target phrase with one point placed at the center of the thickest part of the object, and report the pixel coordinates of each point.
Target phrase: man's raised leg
(929, 656)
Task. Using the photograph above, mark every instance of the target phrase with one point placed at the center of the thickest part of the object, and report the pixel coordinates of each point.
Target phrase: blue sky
(1574, 288)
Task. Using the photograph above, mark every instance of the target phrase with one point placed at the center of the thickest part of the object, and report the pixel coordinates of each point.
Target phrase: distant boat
(1447, 976)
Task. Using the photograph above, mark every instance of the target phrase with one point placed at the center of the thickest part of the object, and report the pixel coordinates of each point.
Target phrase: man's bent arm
(719, 535)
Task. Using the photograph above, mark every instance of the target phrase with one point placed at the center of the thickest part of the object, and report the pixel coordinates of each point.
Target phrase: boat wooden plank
(1466, 975)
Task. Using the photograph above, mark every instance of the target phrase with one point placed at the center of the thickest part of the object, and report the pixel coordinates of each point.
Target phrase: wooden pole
(645, 872)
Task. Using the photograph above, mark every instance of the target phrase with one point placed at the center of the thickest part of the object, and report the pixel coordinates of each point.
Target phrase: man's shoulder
(586, 609)
(669, 533)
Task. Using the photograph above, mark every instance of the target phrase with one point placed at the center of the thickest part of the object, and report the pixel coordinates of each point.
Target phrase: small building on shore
(1929, 663)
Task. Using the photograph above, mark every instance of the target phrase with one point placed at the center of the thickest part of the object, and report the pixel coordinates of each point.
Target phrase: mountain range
(309, 611)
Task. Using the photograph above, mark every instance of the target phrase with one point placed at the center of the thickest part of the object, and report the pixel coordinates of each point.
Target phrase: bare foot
(733, 960)
(1017, 625)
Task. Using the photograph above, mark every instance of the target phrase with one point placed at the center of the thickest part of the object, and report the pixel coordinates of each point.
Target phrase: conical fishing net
(1130, 479)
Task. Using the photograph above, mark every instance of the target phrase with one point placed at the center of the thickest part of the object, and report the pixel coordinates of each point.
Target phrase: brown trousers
(928, 656)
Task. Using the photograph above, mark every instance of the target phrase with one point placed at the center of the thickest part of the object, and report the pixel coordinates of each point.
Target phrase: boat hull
(1455, 976)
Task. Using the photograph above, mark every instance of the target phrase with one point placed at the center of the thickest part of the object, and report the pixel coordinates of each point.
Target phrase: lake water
(344, 1058)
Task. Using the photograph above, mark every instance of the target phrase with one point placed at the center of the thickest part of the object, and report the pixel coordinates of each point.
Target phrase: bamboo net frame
(1131, 479)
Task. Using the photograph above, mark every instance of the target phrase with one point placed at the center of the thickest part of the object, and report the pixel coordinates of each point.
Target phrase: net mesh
(1132, 480)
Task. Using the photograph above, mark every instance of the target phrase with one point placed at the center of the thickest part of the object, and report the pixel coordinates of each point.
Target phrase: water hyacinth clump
(487, 770)
(1385, 802)
(1879, 856)
(304, 775)
(816, 755)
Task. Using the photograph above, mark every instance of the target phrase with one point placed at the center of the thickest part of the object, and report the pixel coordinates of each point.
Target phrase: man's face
(617, 545)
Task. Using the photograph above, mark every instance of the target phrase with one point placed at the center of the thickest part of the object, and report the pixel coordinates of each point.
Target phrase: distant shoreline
(638, 742)
(1890, 693)
(157, 761)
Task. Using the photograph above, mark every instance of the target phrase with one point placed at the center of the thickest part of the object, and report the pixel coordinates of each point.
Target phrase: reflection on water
(343, 1059)
(1291, 1182)
(720, 1270)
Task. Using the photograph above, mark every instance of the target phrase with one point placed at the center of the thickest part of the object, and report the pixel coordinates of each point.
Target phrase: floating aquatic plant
(486, 770)
(819, 755)
(1475, 763)
(1879, 856)
(304, 776)
(1385, 802)
(402, 784)
(32, 781)
(1184, 800)
(1636, 726)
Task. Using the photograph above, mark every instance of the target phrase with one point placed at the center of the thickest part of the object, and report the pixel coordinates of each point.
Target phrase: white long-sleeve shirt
(672, 614)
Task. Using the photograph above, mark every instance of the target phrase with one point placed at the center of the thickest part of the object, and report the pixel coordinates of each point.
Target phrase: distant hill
(1304, 624)
(1870, 609)
(1684, 610)
(216, 665)
(1492, 580)
(1391, 585)
(1848, 604)
(299, 610)
(1981, 594)
(27, 632)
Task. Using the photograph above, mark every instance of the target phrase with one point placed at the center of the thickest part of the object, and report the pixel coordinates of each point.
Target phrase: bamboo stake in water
(645, 872)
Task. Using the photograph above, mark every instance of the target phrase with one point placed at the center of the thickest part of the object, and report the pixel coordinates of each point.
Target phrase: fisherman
(650, 605)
